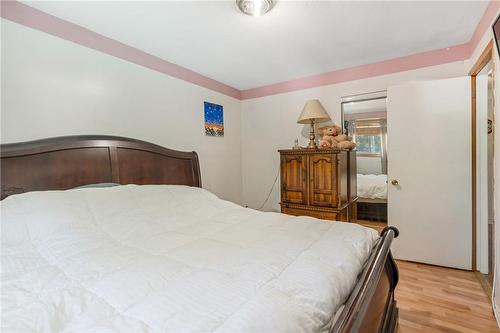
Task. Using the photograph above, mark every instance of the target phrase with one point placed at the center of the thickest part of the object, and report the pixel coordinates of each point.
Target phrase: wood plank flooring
(379, 226)
(437, 299)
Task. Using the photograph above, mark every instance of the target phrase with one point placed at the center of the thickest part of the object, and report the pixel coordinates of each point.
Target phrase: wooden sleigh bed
(67, 162)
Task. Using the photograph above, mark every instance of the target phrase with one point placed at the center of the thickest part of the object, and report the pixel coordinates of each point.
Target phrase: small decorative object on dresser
(319, 183)
(334, 138)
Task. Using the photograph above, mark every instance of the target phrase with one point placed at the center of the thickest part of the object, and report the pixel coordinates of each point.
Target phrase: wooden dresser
(319, 183)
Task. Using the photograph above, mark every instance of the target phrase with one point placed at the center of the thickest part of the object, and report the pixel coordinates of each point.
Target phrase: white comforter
(170, 258)
(372, 186)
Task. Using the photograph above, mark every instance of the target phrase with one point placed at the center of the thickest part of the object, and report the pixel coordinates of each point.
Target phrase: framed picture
(214, 119)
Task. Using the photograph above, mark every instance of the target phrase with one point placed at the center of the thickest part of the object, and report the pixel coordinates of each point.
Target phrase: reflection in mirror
(364, 117)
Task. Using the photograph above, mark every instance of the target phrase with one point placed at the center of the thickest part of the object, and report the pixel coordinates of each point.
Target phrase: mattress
(372, 186)
(170, 259)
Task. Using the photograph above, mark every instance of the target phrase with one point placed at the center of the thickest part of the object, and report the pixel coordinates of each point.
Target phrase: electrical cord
(270, 192)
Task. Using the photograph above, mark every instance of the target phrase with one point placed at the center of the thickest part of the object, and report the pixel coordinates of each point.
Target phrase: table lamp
(313, 112)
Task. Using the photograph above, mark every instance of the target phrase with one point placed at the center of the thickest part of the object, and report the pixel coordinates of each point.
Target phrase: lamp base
(312, 138)
(312, 145)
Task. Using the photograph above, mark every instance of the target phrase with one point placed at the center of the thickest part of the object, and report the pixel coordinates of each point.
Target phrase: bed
(372, 197)
(158, 253)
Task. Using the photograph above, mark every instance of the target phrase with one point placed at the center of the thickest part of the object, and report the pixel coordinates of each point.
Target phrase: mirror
(364, 117)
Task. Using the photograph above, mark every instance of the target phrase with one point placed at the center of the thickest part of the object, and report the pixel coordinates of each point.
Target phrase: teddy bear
(333, 138)
(328, 141)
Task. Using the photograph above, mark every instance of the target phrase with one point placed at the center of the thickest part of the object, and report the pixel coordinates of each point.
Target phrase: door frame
(485, 57)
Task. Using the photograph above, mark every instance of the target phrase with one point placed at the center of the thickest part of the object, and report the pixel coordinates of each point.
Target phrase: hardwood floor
(379, 226)
(437, 299)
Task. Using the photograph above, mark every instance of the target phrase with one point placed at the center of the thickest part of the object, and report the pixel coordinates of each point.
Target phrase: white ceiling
(294, 40)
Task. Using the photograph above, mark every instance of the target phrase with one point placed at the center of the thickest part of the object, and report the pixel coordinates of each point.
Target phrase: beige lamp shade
(313, 110)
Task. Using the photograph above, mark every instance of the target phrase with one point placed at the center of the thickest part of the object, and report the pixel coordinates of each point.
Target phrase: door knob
(394, 182)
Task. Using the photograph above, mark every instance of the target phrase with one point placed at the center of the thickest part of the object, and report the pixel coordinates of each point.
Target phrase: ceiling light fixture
(255, 7)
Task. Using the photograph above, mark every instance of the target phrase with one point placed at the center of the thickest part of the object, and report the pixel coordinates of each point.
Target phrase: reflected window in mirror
(369, 134)
(368, 144)
(364, 117)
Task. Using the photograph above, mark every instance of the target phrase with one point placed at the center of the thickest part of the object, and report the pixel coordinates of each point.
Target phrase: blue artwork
(214, 119)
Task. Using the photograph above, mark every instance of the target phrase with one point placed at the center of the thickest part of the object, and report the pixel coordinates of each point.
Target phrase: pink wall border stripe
(426, 59)
(489, 15)
(431, 58)
(36, 19)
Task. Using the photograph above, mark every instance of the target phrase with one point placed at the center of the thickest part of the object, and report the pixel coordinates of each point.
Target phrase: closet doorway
(364, 117)
(482, 79)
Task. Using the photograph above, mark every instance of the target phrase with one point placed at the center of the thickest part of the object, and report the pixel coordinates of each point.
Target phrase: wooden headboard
(66, 162)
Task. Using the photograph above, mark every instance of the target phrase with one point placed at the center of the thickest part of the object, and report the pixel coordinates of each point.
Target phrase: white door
(429, 156)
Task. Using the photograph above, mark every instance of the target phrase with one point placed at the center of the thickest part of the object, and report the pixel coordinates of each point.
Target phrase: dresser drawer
(333, 215)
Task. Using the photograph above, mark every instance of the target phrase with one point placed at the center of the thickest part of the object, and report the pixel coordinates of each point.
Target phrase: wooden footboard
(371, 307)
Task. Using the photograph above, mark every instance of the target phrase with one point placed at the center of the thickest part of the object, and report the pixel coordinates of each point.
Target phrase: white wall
(369, 165)
(53, 87)
(269, 124)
